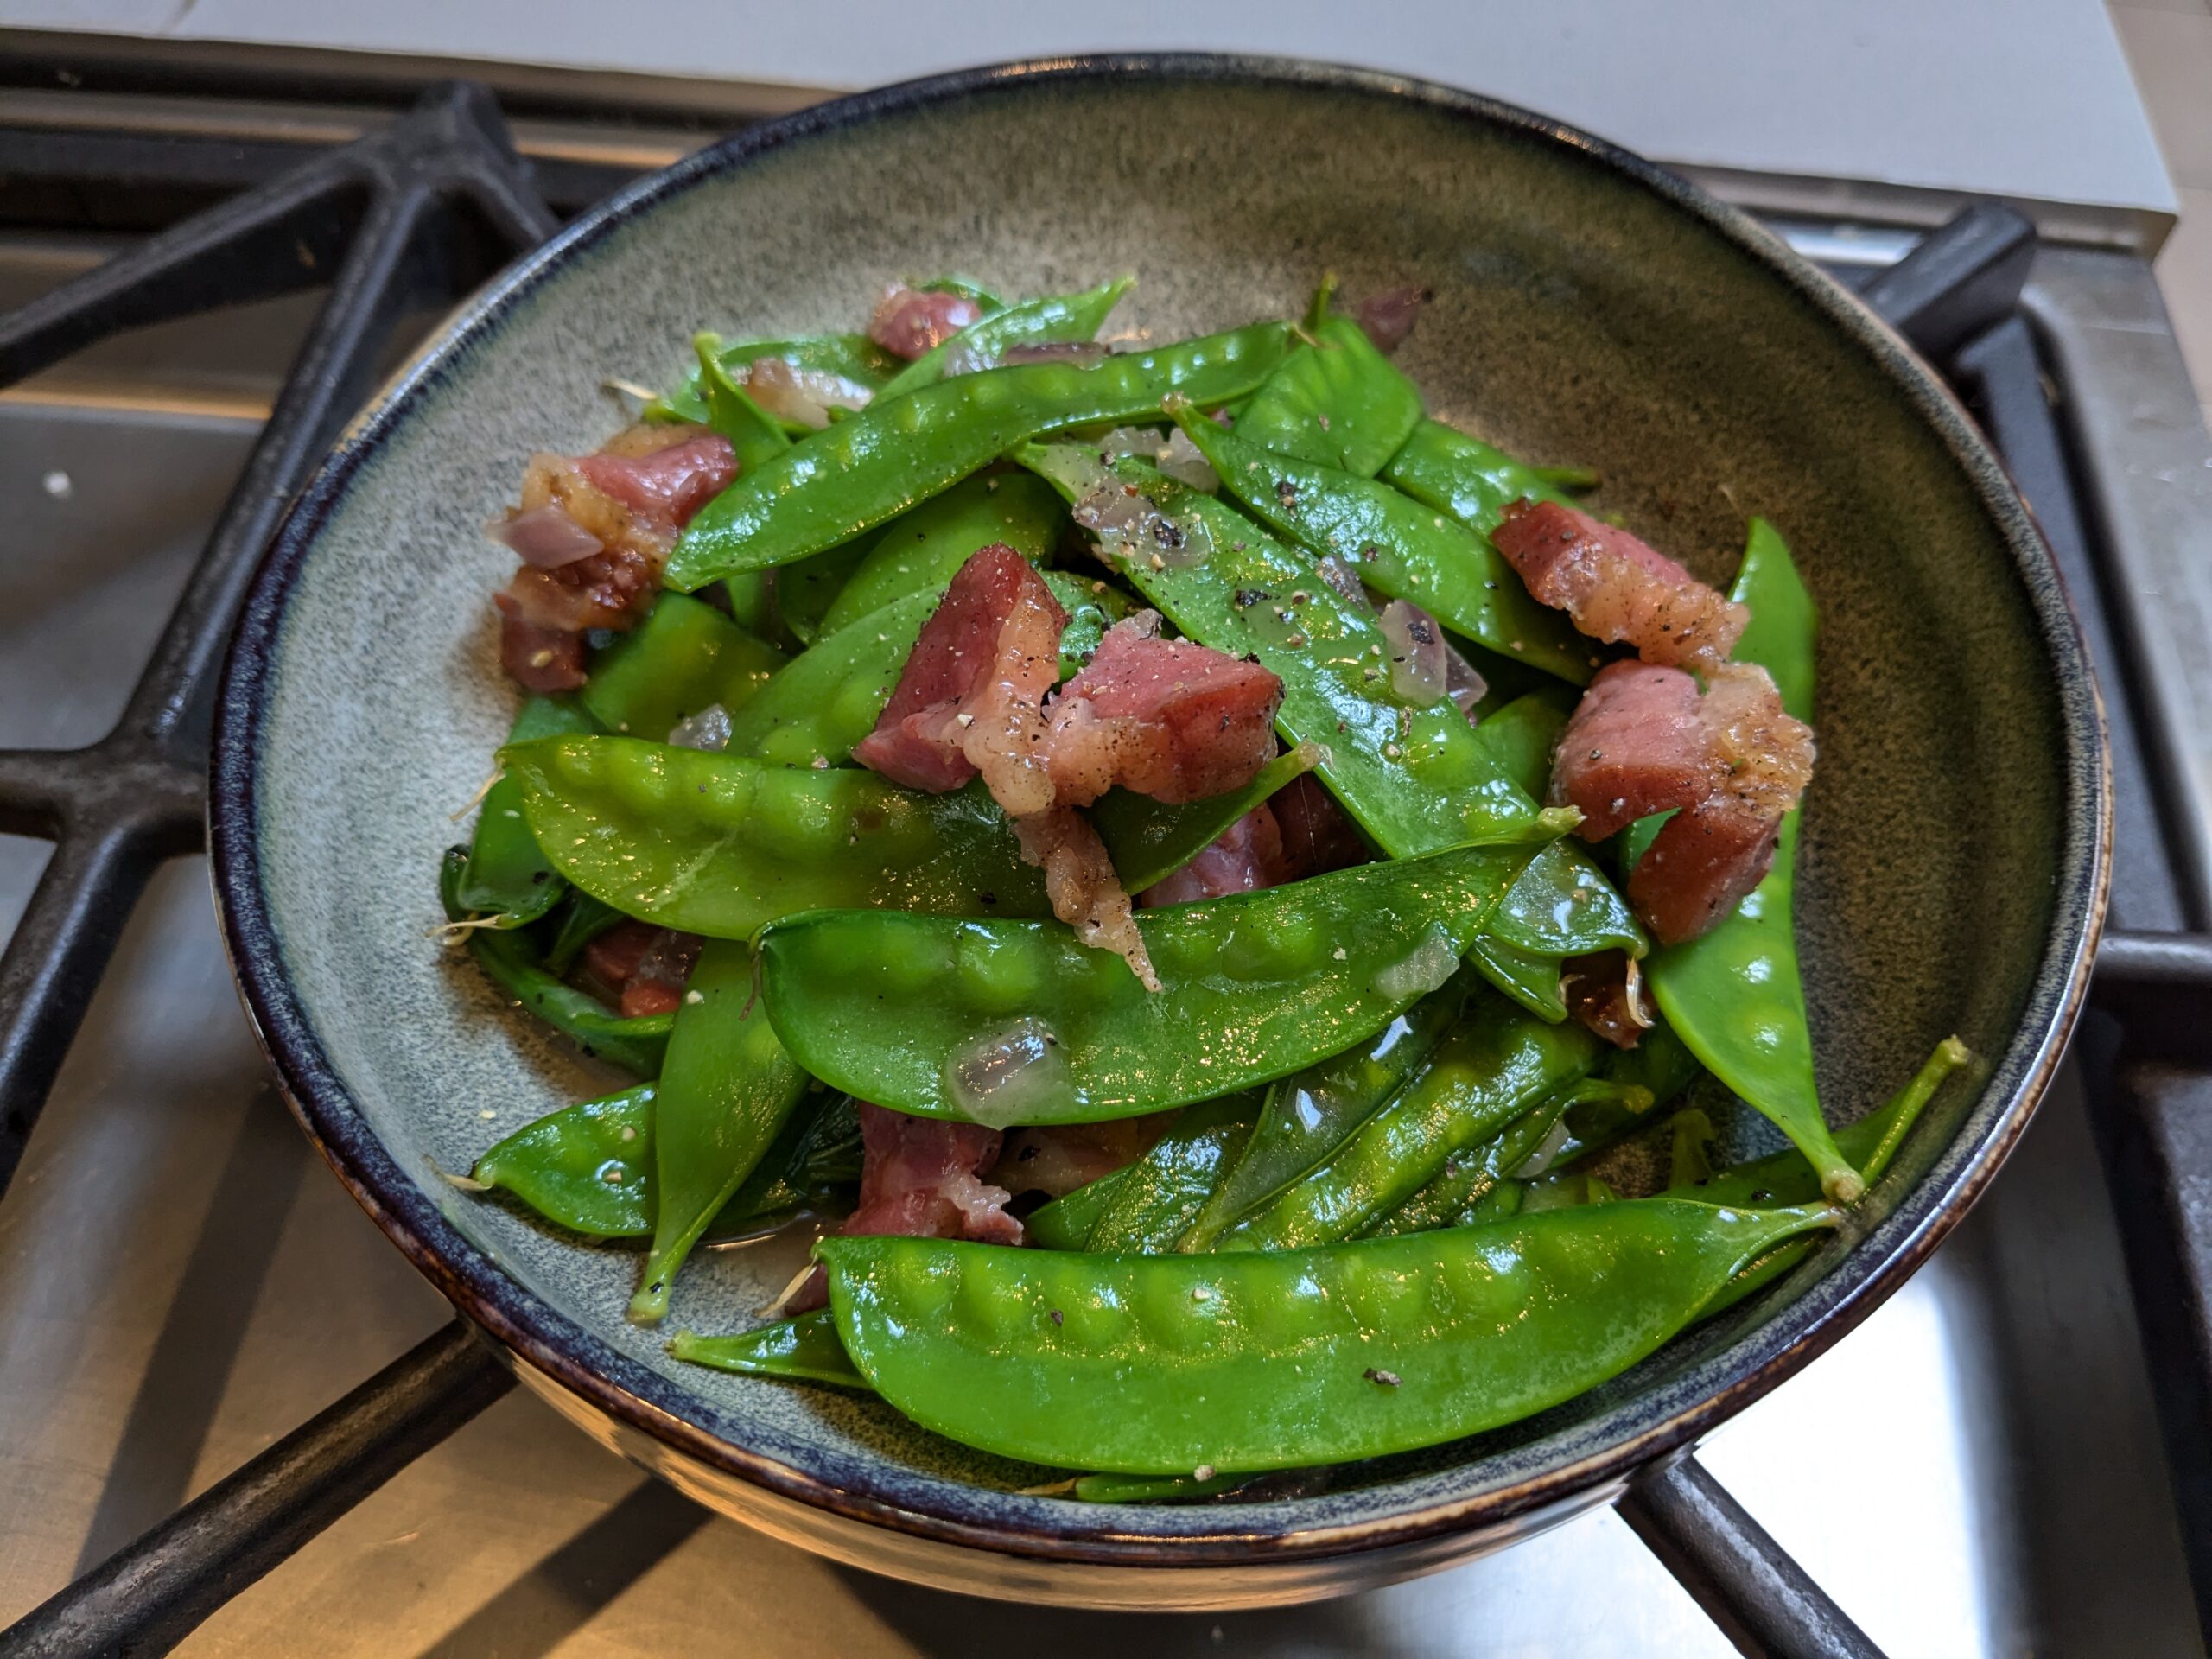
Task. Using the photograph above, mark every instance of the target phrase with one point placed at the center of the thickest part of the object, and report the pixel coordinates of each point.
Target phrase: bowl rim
(573, 1358)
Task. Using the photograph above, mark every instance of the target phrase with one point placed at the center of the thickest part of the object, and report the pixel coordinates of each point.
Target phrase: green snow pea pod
(868, 469)
(1151, 840)
(1397, 545)
(1164, 1190)
(1280, 1359)
(720, 844)
(1651, 1074)
(1414, 779)
(924, 548)
(508, 961)
(1309, 1116)
(809, 588)
(856, 357)
(1735, 994)
(1055, 317)
(828, 697)
(684, 656)
(752, 433)
(588, 1167)
(1017, 1022)
(1869, 1144)
(967, 287)
(1467, 1187)
(1523, 735)
(1469, 479)
(507, 876)
(577, 923)
(1337, 401)
(1066, 1222)
(726, 1089)
(806, 1349)
(1532, 978)
(1489, 1071)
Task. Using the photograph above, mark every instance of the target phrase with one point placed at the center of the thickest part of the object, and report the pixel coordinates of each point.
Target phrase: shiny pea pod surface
(805, 1349)
(506, 876)
(1735, 994)
(588, 1167)
(866, 470)
(1398, 547)
(1019, 1022)
(722, 844)
(684, 655)
(1496, 1064)
(1310, 1115)
(1066, 1222)
(1048, 319)
(1279, 1359)
(1472, 481)
(1161, 1194)
(725, 1090)
(1336, 400)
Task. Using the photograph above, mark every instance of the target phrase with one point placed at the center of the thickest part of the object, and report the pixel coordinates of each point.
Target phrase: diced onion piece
(802, 395)
(1180, 460)
(708, 729)
(1010, 1075)
(545, 537)
(1420, 674)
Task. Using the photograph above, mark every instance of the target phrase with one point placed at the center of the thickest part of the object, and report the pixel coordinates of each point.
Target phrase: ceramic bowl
(1589, 307)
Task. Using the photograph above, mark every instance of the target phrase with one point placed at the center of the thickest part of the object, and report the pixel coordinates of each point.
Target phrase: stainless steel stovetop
(179, 1284)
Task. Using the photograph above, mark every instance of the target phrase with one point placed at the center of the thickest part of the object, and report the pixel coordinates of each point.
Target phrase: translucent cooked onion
(801, 394)
(1129, 522)
(708, 729)
(1463, 682)
(1546, 1152)
(1010, 1075)
(545, 538)
(1421, 970)
(1419, 671)
(1180, 460)
(1345, 581)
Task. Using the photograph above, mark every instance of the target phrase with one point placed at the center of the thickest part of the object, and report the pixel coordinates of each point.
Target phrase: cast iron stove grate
(422, 211)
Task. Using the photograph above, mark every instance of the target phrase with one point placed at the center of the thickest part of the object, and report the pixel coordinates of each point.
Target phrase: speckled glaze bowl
(1589, 307)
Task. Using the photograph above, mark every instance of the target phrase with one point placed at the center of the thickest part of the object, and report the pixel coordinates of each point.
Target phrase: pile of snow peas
(1395, 1204)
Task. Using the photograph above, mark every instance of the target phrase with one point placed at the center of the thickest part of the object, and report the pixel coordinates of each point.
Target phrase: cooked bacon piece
(1700, 866)
(1166, 718)
(1080, 882)
(1318, 835)
(639, 969)
(919, 1178)
(1056, 1159)
(540, 660)
(1606, 996)
(1729, 763)
(1637, 744)
(1389, 316)
(1767, 757)
(968, 696)
(1243, 858)
(1616, 588)
(909, 322)
(667, 484)
(632, 498)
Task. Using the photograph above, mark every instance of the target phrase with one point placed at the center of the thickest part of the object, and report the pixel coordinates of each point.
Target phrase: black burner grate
(423, 210)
